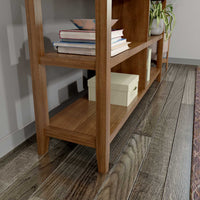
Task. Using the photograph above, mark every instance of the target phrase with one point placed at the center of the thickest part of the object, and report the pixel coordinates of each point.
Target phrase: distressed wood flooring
(150, 157)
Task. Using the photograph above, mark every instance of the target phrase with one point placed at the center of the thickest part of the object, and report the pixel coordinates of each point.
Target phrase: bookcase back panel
(133, 17)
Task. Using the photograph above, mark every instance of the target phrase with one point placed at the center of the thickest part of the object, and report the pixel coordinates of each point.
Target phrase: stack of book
(83, 42)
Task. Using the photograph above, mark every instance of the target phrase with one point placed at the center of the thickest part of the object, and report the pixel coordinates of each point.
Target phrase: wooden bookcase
(93, 124)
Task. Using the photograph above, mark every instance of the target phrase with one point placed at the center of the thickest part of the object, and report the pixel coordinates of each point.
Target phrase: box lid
(119, 81)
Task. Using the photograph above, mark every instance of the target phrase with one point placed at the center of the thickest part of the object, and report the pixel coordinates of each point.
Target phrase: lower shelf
(77, 122)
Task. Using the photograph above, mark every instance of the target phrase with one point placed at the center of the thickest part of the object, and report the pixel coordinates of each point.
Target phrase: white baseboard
(13, 140)
(184, 61)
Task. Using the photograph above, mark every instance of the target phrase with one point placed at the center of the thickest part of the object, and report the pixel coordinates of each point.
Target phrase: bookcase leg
(42, 142)
(38, 72)
(103, 156)
(160, 57)
(40, 105)
(103, 52)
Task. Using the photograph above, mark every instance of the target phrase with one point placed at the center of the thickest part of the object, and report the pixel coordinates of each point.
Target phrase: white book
(148, 64)
(119, 50)
(90, 45)
(89, 51)
(74, 50)
(119, 44)
(113, 40)
(85, 34)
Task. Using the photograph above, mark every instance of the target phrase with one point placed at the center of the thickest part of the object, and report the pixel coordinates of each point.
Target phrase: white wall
(185, 43)
(16, 103)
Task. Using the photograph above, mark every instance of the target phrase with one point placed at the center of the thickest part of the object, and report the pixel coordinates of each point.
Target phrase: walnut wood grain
(103, 10)
(71, 136)
(68, 60)
(38, 71)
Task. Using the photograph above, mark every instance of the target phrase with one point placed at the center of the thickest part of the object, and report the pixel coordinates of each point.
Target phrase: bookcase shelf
(68, 60)
(88, 62)
(93, 124)
(135, 47)
(77, 122)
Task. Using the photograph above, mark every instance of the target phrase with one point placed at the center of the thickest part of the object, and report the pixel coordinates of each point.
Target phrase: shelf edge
(70, 136)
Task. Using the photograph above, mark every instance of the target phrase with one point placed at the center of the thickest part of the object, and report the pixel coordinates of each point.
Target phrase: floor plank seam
(46, 180)
(139, 171)
(174, 138)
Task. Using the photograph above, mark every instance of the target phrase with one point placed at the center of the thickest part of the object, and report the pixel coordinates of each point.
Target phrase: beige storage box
(124, 88)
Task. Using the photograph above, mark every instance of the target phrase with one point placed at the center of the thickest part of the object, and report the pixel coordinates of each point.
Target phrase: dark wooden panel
(20, 157)
(164, 132)
(177, 184)
(63, 178)
(157, 160)
(122, 176)
(195, 170)
(26, 184)
(188, 96)
(147, 187)
(171, 74)
(151, 117)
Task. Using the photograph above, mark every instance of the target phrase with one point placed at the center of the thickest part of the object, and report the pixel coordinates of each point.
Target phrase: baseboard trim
(12, 141)
(184, 61)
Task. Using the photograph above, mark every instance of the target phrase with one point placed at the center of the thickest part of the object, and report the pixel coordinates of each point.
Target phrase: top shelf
(88, 62)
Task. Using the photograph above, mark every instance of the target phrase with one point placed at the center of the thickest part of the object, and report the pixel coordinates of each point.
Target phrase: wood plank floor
(150, 157)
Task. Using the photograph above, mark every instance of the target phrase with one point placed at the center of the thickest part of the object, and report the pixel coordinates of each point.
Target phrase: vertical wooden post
(160, 51)
(36, 49)
(103, 54)
(167, 58)
(160, 57)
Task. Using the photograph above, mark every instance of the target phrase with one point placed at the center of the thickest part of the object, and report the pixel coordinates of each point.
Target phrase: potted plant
(161, 19)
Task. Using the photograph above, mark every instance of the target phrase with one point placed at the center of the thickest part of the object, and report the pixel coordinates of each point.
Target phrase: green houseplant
(161, 18)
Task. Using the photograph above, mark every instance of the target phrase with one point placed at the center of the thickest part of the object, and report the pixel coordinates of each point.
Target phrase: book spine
(148, 64)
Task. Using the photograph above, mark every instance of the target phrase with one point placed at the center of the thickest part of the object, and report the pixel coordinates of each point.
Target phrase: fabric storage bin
(124, 88)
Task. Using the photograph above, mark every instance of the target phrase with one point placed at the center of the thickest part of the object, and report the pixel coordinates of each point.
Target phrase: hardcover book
(85, 34)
